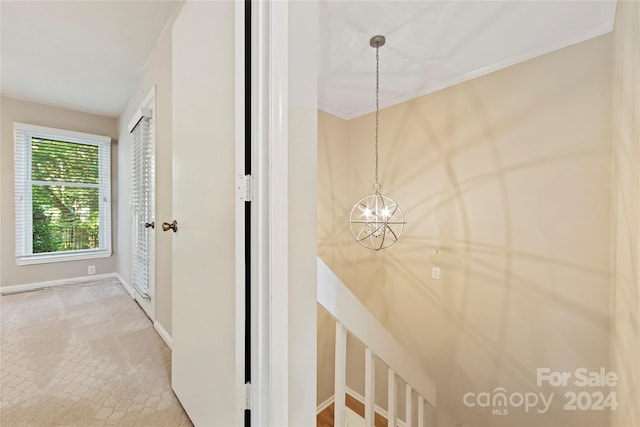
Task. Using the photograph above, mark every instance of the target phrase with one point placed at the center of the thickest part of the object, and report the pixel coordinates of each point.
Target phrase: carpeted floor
(83, 355)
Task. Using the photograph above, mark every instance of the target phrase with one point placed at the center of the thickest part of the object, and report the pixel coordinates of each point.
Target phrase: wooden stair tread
(325, 418)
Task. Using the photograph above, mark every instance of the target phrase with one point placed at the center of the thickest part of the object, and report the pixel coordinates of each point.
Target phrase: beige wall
(157, 72)
(333, 229)
(13, 110)
(626, 212)
(505, 183)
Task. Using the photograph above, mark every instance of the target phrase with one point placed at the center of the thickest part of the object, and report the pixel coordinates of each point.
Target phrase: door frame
(242, 395)
(285, 98)
(283, 327)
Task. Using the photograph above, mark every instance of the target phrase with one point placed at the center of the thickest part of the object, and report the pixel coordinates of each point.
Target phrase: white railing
(354, 318)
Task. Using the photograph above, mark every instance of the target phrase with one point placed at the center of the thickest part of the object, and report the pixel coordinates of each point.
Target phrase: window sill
(51, 258)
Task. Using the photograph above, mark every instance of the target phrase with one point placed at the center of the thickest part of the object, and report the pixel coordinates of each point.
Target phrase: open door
(206, 360)
(231, 333)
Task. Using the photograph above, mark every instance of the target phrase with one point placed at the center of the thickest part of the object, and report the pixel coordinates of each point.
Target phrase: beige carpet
(83, 355)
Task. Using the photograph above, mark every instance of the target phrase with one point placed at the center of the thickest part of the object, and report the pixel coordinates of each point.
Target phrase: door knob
(173, 226)
(151, 224)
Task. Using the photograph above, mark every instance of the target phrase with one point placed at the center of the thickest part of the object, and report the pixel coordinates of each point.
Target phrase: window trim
(23, 209)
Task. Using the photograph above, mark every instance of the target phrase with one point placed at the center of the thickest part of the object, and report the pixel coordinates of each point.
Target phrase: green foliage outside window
(65, 196)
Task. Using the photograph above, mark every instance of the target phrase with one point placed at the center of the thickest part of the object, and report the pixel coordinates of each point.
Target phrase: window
(62, 195)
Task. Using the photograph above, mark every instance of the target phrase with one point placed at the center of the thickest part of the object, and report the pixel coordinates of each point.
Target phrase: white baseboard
(163, 334)
(127, 287)
(12, 289)
(324, 405)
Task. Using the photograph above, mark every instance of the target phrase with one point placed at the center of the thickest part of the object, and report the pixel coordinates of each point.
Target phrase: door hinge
(245, 188)
(247, 396)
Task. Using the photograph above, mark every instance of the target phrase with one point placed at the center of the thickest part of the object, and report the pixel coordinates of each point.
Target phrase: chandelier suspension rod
(377, 184)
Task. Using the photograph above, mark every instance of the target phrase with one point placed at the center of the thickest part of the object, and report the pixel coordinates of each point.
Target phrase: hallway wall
(157, 72)
(505, 183)
(626, 213)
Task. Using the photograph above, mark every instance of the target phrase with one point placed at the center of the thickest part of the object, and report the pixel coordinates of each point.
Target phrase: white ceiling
(435, 44)
(89, 55)
(81, 55)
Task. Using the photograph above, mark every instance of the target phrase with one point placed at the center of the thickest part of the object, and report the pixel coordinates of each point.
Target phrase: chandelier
(376, 220)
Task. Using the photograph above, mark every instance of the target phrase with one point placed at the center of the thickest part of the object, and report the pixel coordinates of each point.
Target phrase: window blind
(142, 204)
(62, 194)
(22, 193)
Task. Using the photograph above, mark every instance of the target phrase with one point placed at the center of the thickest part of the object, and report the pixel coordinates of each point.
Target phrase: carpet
(83, 355)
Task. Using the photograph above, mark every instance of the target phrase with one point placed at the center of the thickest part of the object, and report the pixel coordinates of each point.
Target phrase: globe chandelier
(376, 221)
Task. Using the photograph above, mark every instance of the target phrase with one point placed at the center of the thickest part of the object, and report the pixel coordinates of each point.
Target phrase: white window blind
(62, 195)
(142, 203)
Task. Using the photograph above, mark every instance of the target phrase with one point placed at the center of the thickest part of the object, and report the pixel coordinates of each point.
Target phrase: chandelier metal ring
(376, 221)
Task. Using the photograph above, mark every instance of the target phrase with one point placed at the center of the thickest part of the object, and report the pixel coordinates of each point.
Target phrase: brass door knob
(173, 226)
(151, 224)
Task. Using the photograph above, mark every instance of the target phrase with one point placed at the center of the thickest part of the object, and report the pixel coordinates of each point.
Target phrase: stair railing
(352, 317)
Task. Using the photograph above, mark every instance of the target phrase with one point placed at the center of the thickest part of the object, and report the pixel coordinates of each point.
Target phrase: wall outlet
(91, 269)
(435, 273)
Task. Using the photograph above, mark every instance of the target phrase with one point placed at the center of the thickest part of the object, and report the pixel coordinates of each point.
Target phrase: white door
(143, 205)
(204, 261)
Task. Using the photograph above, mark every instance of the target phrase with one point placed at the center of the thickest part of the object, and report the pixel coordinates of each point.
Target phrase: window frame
(23, 226)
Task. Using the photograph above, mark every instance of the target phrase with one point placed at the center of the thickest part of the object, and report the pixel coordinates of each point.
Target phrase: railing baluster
(345, 307)
(408, 413)
(369, 389)
(391, 410)
(420, 411)
(339, 412)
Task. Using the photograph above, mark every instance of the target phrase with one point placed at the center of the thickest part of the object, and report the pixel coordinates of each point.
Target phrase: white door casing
(286, 46)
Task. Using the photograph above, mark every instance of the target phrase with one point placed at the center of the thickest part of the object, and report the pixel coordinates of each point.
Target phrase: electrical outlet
(91, 269)
(435, 273)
